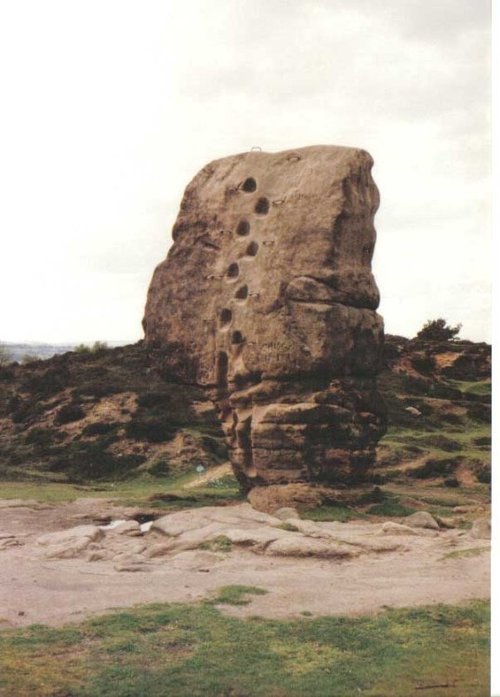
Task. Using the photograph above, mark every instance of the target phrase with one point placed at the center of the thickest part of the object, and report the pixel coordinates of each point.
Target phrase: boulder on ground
(271, 498)
(298, 546)
(422, 519)
(481, 529)
(392, 528)
(69, 543)
(287, 513)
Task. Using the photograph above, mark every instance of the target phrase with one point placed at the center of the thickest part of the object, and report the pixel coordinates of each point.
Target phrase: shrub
(482, 471)
(95, 348)
(437, 330)
(153, 429)
(424, 363)
(215, 446)
(68, 413)
(479, 412)
(443, 443)
(5, 357)
(159, 465)
(30, 358)
(435, 468)
(100, 428)
(6, 373)
(150, 400)
(89, 460)
(26, 411)
(98, 389)
(99, 346)
(46, 383)
(39, 436)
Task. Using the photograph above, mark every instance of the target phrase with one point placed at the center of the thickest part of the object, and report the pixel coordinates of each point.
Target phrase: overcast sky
(108, 109)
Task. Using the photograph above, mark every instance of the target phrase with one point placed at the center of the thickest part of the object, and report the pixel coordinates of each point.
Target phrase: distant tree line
(96, 346)
(6, 357)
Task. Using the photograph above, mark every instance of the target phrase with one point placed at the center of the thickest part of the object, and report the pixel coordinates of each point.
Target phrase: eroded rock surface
(64, 562)
(267, 300)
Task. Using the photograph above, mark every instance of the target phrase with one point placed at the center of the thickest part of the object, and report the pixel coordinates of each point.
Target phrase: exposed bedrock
(267, 299)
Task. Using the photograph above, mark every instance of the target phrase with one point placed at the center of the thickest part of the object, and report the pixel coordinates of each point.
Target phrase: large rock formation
(267, 300)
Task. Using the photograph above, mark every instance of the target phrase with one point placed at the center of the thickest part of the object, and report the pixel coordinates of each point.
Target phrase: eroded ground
(63, 562)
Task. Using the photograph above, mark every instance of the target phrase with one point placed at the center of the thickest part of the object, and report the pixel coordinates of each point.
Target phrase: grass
(433, 453)
(195, 651)
(479, 387)
(289, 527)
(221, 543)
(332, 512)
(464, 553)
(390, 508)
(235, 595)
(138, 491)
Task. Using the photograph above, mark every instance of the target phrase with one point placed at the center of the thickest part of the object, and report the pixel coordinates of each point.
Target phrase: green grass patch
(143, 490)
(480, 387)
(221, 543)
(236, 595)
(332, 512)
(464, 553)
(196, 651)
(228, 481)
(390, 508)
(289, 527)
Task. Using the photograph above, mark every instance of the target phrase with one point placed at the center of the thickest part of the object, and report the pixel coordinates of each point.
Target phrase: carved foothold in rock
(267, 299)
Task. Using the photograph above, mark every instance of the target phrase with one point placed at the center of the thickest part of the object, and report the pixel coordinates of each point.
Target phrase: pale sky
(108, 109)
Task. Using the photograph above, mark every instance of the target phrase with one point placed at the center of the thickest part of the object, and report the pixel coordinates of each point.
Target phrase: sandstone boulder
(267, 300)
(128, 527)
(273, 498)
(481, 529)
(287, 513)
(298, 546)
(422, 519)
(69, 543)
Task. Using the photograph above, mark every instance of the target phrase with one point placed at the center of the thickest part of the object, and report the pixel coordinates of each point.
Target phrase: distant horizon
(72, 342)
(126, 342)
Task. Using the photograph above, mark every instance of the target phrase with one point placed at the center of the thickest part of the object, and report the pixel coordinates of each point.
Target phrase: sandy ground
(36, 589)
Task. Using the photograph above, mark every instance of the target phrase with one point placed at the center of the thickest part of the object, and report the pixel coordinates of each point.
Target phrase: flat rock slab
(69, 543)
(299, 546)
(326, 568)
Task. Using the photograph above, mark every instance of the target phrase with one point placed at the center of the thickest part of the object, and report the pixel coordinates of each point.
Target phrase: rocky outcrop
(267, 300)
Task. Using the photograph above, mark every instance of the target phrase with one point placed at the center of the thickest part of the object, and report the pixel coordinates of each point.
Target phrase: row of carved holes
(226, 315)
(261, 207)
(225, 319)
(233, 271)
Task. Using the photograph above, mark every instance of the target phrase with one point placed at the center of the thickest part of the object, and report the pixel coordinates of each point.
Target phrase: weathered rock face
(267, 299)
